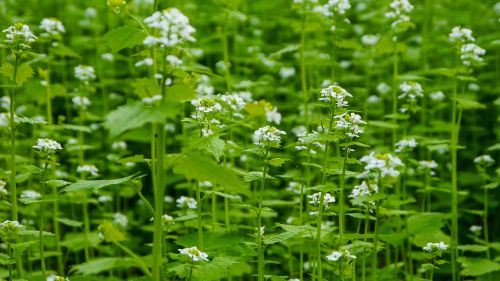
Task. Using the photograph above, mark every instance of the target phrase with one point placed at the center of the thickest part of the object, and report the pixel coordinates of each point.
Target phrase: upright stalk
(199, 214)
(42, 207)
(303, 75)
(341, 199)
(454, 189)
(13, 183)
(260, 249)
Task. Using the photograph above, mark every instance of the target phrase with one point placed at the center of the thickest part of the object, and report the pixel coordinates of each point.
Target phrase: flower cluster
(88, 169)
(53, 277)
(399, 10)
(306, 141)
(483, 161)
(350, 123)
(47, 146)
(435, 247)
(194, 254)
(173, 28)
(117, 6)
(410, 92)
(52, 27)
(3, 191)
(235, 103)
(470, 53)
(206, 111)
(30, 194)
(81, 102)
(85, 73)
(363, 190)
(335, 95)
(120, 219)
(336, 256)
(267, 136)
(186, 202)
(405, 145)
(428, 166)
(19, 36)
(10, 229)
(315, 200)
(333, 7)
(380, 166)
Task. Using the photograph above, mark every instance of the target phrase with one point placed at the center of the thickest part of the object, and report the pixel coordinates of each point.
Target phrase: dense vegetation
(249, 140)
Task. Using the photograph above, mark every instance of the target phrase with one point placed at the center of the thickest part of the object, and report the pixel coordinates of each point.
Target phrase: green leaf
(467, 104)
(256, 176)
(70, 222)
(145, 87)
(180, 92)
(85, 185)
(195, 166)
(425, 222)
(383, 124)
(6, 259)
(110, 232)
(7, 70)
(348, 44)
(278, 162)
(214, 146)
(477, 266)
(216, 269)
(19, 248)
(123, 37)
(65, 51)
(24, 73)
(135, 115)
(98, 265)
(290, 232)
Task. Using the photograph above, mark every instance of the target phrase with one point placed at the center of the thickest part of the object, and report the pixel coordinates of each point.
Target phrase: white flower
(52, 27)
(411, 91)
(5, 102)
(87, 169)
(434, 247)
(194, 254)
(30, 194)
(186, 202)
(335, 95)
(119, 145)
(173, 28)
(484, 160)
(47, 145)
(294, 187)
(146, 61)
(327, 199)
(461, 34)
(287, 72)
(167, 219)
(383, 88)
(267, 135)
(398, 11)
(203, 106)
(334, 256)
(204, 87)
(10, 225)
(120, 219)
(173, 60)
(3, 191)
(383, 165)
(363, 190)
(19, 36)
(104, 198)
(235, 102)
(85, 73)
(273, 116)
(475, 228)
(437, 96)
(108, 57)
(471, 53)
(406, 145)
(428, 166)
(53, 277)
(370, 39)
(350, 123)
(81, 102)
(152, 100)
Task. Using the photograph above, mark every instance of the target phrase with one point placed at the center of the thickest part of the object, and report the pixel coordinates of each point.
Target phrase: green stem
(13, 183)
(394, 94)
(227, 74)
(260, 249)
(157, 158)
(138, 261)
(303, 74)
(341, 199)
(367, 221)
(199, 216)
(301, 215)
(42, 192)
(485, 222)
(375, 243)
(454, 189)
(214, 209)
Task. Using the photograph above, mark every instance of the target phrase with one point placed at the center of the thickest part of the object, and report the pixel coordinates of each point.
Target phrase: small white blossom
(194, 254)
(294, 187)
(383, 165)
(461, 35)
(437, 96)
(107, 57)
(52, 27)
(152, 100)
(406, 145)
(120, 219)
(273, 116)
(85, 73)
(119, 145)
(434, 247)
(47, 145)
(144, 62)
(173, 28)
(267, 135)
(335, 95)
(327, 199)
(363, 190)
(471, 53)
(428, 166)
(370, 39)
(81, 102)
(87, 169)
(174, 60)
(186, 202)
(350, 123)
(484, 160)
(334, 256)
(30, 194)
(476, 229)
(383, 88)
(19, 36)
(287, 72)
(399, 10)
